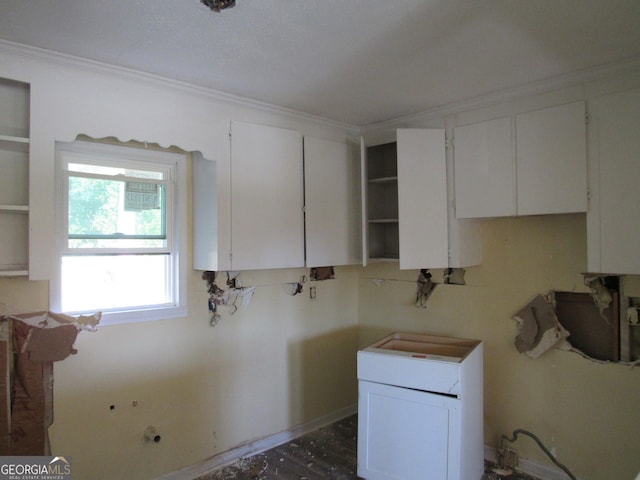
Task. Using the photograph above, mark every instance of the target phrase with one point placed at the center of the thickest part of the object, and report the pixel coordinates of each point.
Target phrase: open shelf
(14, 178)
(382, 202)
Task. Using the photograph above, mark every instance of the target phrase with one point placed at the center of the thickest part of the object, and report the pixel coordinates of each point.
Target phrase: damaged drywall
(425, 287)
(322, 273)
(29, 344)
(426, 283)
(538, 327)
(220, 298)
(599, 292)
(225, 300)
(591, 319)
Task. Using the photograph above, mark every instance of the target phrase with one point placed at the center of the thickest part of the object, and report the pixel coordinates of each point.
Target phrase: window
(121, 220)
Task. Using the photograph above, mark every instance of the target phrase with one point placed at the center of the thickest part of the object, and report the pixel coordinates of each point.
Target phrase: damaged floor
(327, 453)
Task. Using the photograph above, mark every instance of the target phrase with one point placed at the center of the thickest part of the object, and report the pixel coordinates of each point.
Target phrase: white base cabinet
(420, 409)
(409, 435)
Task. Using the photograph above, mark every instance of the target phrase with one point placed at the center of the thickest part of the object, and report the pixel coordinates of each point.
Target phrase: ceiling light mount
(219, 5)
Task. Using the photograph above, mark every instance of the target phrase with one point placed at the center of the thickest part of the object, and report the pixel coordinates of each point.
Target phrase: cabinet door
(551, 153)
(422, 199)
(332, 203)
(485, 169)
(616, 234)
(266, 197)
(407, 434)
(206, 254)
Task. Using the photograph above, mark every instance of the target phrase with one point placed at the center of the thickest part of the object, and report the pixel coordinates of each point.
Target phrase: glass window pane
(92, 283)
(114, 170)
(103, 213)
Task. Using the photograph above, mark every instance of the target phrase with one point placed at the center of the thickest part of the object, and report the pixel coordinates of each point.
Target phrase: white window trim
(179, 220)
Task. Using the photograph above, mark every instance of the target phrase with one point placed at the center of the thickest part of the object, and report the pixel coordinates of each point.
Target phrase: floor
(327, 453)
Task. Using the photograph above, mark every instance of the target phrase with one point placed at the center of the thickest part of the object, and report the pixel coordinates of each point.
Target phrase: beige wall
(286, 360)
(283, 361)
(586, 412)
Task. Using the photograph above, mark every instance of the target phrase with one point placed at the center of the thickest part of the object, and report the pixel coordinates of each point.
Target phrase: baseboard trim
(257, 446)
(538, 470)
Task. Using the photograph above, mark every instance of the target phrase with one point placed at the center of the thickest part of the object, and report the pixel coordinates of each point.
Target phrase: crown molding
(592, 74)
(80, 63)
(577, 77)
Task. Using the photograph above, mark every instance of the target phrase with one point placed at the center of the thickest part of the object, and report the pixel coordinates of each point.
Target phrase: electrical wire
(518, 431)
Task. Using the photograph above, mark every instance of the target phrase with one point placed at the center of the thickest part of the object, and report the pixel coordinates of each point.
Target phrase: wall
(287, 360)
(282, 362)
(584, 411)
(205, 389)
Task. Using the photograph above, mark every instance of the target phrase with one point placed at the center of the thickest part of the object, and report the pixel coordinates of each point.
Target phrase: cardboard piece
(51, 344)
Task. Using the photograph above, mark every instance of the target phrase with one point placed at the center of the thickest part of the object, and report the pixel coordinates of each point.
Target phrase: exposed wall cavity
(601, 325)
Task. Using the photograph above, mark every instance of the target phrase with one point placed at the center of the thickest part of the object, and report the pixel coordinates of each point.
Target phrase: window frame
(173, 164)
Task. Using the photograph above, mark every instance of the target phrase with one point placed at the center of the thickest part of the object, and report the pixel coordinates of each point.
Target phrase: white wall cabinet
(379, 170)
(422, 199)
(551, 155)
(14, 178)
(485, 169)
(332, 203)
(533, 163)
(613, 231)
(405, 201)
(267, 229)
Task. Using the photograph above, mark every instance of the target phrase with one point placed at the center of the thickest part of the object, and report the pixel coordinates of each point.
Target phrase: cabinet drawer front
(417, 373)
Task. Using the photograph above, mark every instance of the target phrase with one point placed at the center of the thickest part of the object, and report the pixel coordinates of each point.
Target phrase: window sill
(145, 315)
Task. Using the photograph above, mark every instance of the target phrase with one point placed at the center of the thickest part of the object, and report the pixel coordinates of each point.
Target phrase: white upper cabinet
(266, 191)
(613, 230)
(206, 250)
(533, 163)
(379, 170)
(551, 153)
(14, 178)
(405, 202)
(485, 169)
(332, 203)
(267, 223)
(422, 199)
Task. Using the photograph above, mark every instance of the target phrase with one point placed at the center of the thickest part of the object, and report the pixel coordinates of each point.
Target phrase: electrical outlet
(312, 293)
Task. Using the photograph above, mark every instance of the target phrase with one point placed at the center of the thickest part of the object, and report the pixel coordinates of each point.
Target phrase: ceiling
(355, 61)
